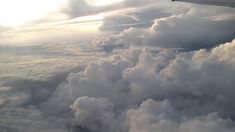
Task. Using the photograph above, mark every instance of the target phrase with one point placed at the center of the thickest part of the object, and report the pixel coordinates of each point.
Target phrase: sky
(116, 66)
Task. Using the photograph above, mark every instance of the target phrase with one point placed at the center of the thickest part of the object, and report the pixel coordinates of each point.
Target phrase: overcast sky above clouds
(116, 66)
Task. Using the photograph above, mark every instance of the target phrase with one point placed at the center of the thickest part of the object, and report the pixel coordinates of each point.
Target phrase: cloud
(188, 27)
(3, 29)
(94, 114)
(139, 18)
(177, 28)
(28, 120)
(22, 92)
(152, 116)
(145, 90)
(190, 75)
(118, 22)
(137, 90)
(78, 8)
(141, 2)
(131, 88)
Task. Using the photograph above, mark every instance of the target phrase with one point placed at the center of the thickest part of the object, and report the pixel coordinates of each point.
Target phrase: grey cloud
(203, 34)
(152, 116)
(29, 120)
(94, 114)
(140, 90)
(77, 8)
(29, 50)
(133, 90)
(151, 13)
(29, 76)
(139, 18)
(185, 27)
(143, 2)
(118, 23)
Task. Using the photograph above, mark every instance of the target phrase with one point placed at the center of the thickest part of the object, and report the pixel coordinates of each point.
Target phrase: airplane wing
(230, 3)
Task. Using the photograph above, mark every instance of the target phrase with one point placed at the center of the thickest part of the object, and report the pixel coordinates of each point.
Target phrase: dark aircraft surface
(229, 3)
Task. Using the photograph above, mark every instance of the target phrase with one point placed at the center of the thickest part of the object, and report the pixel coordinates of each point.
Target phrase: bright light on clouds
(19, 12)
(102, 2)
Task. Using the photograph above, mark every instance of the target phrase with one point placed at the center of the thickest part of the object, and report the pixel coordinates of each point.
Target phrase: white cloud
(112, 92)
(197, 87)
(133, 89)
(94, 114)
(170, 26)
(160, 116)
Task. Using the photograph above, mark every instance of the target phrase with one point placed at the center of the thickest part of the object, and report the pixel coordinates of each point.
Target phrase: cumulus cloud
(177, 28)
(145, 90)
(140, 17)
(137, 90)
(160, 116)
(187, 27)
(133, 89)
(94, 114)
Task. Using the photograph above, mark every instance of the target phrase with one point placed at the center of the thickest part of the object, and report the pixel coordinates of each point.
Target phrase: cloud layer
(166, 68)
(169, 26)
(143, 90)
(136, 90)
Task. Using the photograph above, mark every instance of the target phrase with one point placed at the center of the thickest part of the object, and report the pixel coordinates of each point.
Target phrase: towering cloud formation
(169, 27)
(143, 90)
(94, 114)
(138, 90)
(154, 116)
(132, 89)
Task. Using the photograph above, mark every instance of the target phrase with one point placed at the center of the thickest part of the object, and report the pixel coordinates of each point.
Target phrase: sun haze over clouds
(19, 12)
(116, 66)
(34, 17)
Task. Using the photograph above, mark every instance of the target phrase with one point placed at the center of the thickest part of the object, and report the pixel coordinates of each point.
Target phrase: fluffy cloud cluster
(28, 77)
(94, 114)
(133, 90)
(154, 116)
(146, 90)
(174, 26)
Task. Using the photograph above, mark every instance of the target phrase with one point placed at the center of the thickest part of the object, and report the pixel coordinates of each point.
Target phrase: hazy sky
(116, 66)
(25, 20)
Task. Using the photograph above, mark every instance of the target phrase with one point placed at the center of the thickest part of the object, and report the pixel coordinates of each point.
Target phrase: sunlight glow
(19, 12)
(102, 2)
